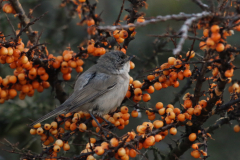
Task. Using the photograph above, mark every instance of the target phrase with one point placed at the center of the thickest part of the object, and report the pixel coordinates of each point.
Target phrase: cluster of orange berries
(163, 77)
(99, 149)
(95, 51)
(215, 38)
(196, 153)
(121, 35)
(8, 8)
(27, 76)
(73, 122)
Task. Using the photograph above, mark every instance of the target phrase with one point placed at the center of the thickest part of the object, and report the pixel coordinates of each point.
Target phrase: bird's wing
(89, 86)
(97, 85)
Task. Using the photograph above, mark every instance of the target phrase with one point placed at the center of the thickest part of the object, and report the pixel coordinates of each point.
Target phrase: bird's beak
(131, 57)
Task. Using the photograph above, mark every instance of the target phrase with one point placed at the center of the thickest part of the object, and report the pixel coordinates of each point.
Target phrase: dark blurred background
(60, 30)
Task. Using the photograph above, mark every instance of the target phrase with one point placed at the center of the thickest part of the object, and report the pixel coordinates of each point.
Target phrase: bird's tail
(57, 111)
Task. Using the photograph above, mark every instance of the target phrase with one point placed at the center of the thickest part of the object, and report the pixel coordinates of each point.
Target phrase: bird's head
(115, 62)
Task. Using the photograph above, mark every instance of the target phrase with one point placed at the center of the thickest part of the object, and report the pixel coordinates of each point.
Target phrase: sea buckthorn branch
(226, 106)
(218, 124)
(13, 29)
(200, 79)
(32, 35)
(185, 27)
(25, 28)
(119, 15)
(203, 6)
(180, 16)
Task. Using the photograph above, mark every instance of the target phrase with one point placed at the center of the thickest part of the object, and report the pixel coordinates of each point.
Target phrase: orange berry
(215, 36)
(190, 111)
(140, 19)
(171, 60)
(149, 141)
(124, 109)
(56, 148)
(24, 59)
(150, 90)
(195, 154)
(194, 146)
(67, 76)
(150, 77)
(37, 125)
(66, 147)
(171, 115)
(229, 73)
(177, 111)
(187, 73)
(137, 91)
(178, 63)
(162, 111)
(173, 75)
(158, 124)
(80, 62)
(8, 8)
(33, 131)
(121, 151)
(120, 40)
(236, 128)
(134, 113)
(54, 125)
(146, 97)
(151, 117)
(159, 105)
(192, 137)
(123, 34)
(41, 71)
(197, 111)
(192, 54)
(187, 103)
(39, 131)
(82, 127)
(116, 34)
(59, 142)
(173, 131)
(157, 86)
(12, 93)
(210, 42)
(215, 28)
(25, 88)
(176, 84)
(12, 79)
(132, 65)
(67, 57)
(206, 32)
(132, 153)
(114, 142)
(3, 51)
(56, 64)
(73, 126)
(137, 84)
(181, 117)
(203, 103)
(90, 22)
(47, 126)
(220, 47)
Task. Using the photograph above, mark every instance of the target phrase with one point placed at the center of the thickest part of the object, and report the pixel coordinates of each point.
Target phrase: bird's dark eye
(122, 56)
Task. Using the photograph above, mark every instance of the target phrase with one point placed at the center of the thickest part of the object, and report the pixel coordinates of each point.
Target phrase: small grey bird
(100, 89)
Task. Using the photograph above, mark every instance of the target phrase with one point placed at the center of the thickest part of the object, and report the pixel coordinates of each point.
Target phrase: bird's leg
(110, 125)
(99, 125)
